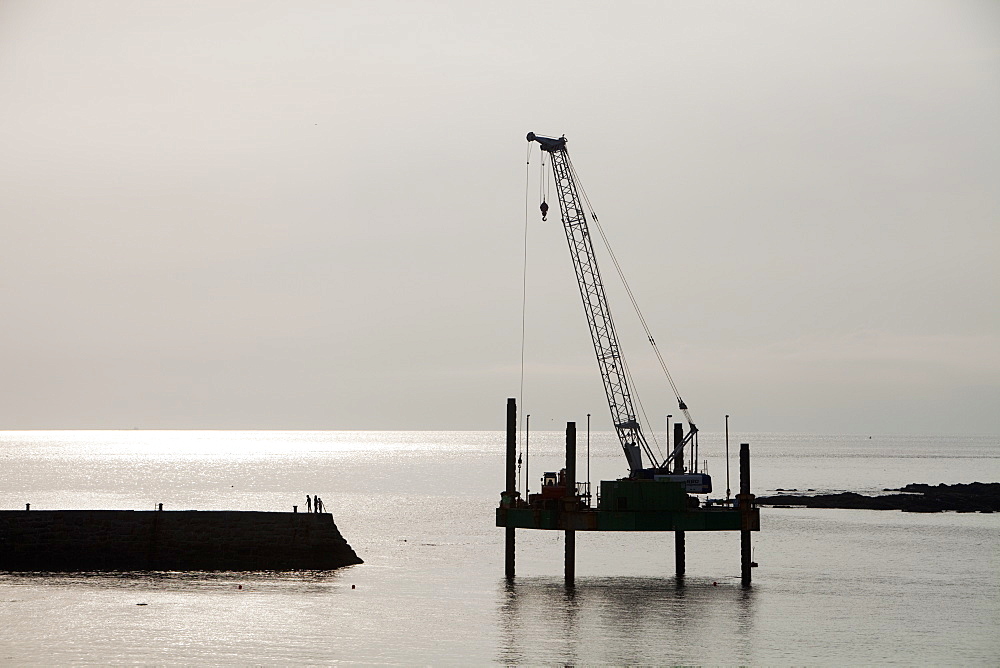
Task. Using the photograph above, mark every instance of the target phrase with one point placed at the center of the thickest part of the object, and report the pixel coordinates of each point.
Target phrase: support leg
(570, 558)
(746, 502)
(679, 468)
(570, 501)
(511, 481)
(679, 551)
(745, 569)
(509, 555)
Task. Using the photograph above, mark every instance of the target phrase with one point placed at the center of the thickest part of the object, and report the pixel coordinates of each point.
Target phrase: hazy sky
(311, 215)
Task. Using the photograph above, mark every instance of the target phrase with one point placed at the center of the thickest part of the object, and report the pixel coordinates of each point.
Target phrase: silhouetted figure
(309, 504)
(319, 505)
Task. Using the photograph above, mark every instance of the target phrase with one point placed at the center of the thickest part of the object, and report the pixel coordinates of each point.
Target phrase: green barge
(624, 505)
(657, 502)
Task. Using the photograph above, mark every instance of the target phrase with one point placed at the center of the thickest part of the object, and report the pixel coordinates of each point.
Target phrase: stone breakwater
(126, 540)
(915, 498)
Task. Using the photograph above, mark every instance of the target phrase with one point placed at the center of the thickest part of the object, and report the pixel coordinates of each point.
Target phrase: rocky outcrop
(915, 497)
(125, 540)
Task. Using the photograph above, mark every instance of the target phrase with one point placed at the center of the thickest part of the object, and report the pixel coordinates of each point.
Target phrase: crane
(614, 371)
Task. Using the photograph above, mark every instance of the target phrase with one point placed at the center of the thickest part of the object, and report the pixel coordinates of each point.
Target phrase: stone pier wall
(125, 540)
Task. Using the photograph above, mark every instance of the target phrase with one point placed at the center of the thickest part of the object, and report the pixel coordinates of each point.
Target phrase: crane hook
(545, 210)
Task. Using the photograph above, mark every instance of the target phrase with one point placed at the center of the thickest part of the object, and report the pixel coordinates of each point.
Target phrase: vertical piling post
(727, 460)
(678, 439)
(679, 468)
(511, 481)
(746, 502)
(570, 502)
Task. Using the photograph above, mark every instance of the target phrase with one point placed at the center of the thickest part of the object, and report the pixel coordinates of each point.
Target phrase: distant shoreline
(976, 497)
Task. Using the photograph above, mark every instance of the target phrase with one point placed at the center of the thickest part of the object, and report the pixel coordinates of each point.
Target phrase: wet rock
(915, 498)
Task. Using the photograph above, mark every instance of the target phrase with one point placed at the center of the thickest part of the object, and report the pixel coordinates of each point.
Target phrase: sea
(832, 587)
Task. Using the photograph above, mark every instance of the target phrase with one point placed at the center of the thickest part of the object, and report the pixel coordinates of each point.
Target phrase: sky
(320, 215)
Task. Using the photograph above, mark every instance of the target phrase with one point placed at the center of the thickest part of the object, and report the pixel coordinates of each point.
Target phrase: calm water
(833, 587)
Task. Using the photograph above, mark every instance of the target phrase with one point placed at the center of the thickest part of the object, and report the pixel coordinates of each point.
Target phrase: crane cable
(658, 456)
(524, 291)
(631, 296)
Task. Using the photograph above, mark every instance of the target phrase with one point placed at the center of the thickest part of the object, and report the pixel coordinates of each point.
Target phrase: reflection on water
(622, 620)
(287, 582)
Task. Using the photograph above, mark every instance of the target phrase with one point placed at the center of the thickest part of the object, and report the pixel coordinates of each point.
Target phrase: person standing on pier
(309, 504)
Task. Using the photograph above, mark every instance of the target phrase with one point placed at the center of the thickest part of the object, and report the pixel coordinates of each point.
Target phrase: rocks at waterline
(915, 498)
